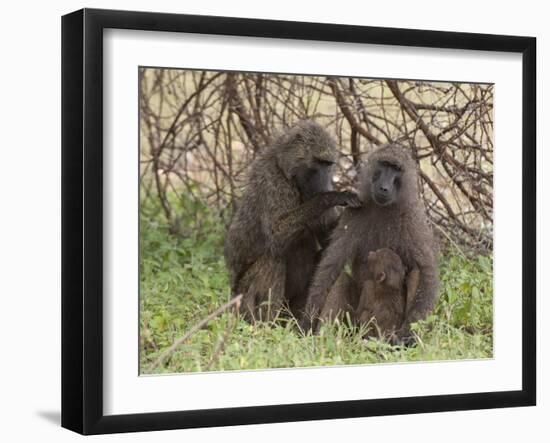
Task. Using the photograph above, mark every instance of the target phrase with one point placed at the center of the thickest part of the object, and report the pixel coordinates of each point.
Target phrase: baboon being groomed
(392, 216)
(386, 293)
(283, 220)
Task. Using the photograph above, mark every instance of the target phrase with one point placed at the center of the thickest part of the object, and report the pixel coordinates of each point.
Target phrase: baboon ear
(380, 277)
(371, 255)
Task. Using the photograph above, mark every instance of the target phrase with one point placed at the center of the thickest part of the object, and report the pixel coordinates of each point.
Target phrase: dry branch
(200, 131)
(200, 325)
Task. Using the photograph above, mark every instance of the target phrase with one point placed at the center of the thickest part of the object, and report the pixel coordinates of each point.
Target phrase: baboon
(385, 296)
(283, 220)
(386, 293)
(392, 216)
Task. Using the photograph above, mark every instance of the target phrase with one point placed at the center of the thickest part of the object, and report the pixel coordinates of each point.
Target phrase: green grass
(183, 279)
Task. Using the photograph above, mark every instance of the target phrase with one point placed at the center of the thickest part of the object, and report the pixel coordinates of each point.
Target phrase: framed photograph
(269, 221)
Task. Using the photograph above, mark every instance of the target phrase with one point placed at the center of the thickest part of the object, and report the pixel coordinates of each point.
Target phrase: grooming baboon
(386, 293)
(284, 218)
(392, 216)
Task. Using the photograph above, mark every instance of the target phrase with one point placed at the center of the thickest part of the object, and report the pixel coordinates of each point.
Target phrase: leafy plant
(183, 279)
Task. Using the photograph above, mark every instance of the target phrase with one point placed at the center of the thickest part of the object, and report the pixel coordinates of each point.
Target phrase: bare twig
(234, 301)
(200, 131)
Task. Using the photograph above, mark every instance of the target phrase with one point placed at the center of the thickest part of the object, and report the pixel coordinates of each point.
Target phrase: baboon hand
(305, 324)
(348, 198)
(403, 337)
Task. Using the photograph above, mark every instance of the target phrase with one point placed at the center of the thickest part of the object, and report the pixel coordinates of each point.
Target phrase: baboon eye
(376, 175)
(323, 162)
(393, 166)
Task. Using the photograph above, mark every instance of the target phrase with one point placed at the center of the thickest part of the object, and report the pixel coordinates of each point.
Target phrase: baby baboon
(383, 301)
(392, 216)
(284, 217)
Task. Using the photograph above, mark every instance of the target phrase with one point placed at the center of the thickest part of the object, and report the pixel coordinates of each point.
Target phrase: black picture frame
(82, 218)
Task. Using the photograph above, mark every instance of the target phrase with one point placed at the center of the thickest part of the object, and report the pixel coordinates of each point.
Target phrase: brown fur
(383, 301)
(401, 226)
(341, 301)
(272, 245)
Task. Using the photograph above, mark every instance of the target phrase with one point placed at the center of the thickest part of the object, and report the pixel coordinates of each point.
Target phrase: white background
(30, 234)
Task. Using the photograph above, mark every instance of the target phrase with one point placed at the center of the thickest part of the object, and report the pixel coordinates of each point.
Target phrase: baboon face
(389, 177)
(307, 156)
(386, 268)
(314, 178)
(386, 182)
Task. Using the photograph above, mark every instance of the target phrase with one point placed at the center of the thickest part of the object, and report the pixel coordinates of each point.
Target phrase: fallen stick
(194, 329)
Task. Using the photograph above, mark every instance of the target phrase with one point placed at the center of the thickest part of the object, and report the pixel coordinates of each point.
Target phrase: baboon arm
(413, 280)
(332, 264)
(285, 228)
(324, 227)
(426, 295)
